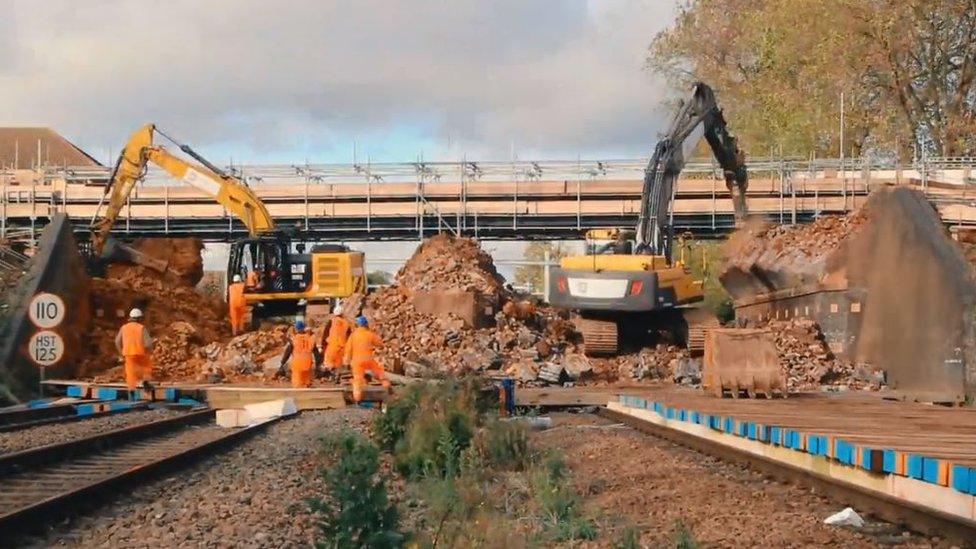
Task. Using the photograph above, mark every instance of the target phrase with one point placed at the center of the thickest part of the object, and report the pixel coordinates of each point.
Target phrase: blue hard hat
(299, 324)
(361, 321)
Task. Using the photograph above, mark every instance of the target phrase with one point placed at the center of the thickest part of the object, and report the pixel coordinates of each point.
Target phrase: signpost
(46, 347)
(46, 310)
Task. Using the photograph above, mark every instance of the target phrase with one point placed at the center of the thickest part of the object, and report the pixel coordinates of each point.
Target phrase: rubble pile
(179, 318)
(813, 240)
(809, 363)
(248, 357)
(444, 262)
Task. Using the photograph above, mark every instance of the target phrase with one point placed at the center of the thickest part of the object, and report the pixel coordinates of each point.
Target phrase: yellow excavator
(290, 279)
(627, 284)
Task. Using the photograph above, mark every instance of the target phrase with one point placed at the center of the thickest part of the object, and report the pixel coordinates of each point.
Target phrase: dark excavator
(628, 284)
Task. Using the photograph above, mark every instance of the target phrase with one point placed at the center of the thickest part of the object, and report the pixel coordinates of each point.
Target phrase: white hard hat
(337, 309)
(237, 278)
(135, 313)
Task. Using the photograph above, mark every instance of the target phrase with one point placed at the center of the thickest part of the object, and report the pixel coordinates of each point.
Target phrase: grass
(356, 511)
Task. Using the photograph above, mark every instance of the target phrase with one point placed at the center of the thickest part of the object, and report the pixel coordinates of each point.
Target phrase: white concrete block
(271, 408)
(232, 418)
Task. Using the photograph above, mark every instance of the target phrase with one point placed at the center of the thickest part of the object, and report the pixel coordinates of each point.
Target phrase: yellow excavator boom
(227, 190)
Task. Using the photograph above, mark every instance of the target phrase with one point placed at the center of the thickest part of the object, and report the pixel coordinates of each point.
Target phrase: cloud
(300, 79)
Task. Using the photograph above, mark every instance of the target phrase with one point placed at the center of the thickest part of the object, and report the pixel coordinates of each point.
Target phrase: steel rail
(61, 418)
(916, 517)
(76, 476)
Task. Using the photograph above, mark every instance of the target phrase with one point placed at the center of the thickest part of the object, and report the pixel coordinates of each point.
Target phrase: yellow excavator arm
(227, 190)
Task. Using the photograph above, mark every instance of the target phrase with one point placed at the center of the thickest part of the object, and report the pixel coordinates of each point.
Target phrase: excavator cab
(610, 241)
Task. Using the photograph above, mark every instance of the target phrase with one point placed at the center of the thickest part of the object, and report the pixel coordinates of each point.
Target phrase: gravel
(627, 478)
(14, 441)
(249, 496)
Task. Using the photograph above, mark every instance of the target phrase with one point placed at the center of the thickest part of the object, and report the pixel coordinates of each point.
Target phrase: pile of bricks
(811, 366)
(523, 340)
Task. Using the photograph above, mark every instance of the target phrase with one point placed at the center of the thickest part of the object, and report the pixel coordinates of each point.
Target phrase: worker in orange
(305, 357)
(237, 305)
(337, 332)
(252, 280)
(359, 354)
(134, 344)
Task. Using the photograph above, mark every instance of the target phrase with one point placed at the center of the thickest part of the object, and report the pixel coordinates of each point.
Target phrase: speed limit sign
(46, 348)
(46, 310)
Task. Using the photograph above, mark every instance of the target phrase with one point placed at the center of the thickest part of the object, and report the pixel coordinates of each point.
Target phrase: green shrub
(558, 503)
(682, 537)
(501, 445)
(629, 539)
(390, 426)
(355, 511)
(440, 429)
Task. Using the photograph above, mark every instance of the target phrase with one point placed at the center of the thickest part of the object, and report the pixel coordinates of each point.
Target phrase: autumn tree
(779, 68)
(531, 276)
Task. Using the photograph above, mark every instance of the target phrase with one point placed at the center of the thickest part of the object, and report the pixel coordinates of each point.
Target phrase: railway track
(41, 485)
(16, 420)
(896, 511)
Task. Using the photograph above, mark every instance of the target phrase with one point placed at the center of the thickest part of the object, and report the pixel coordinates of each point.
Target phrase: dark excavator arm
(654, 230)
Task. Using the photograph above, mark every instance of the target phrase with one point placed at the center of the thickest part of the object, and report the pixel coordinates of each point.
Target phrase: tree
(379, 278)
(531, 276)
(780, 66)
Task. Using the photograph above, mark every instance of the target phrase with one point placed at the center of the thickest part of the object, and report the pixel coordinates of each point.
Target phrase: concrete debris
(811, 366)
(847, 517)
(687, 371)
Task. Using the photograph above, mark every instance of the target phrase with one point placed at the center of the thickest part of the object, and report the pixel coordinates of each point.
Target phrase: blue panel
(727, 424)
(85, 409)
(866, 458)
(959, 478)
(751, 430)
(669, 413)
(913, 466)
(119, 405)
(190, 401)
(695, 417)
(683, 415)
(743, 429)
(640, 403)
(930, 470)
(39, 403)
(843, 452)
(106, 393)
(888, 461)
(75, 391)
(812, 445)
(171, 393)
(775, 435)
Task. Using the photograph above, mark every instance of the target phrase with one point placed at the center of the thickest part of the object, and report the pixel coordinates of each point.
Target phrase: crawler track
(896, 511)
(40, 485)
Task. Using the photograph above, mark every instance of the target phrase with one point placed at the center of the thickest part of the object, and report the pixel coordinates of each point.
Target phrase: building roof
(19, 147)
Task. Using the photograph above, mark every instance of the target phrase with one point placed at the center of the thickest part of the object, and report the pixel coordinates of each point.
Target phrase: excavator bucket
(739, 360)
(118, 252)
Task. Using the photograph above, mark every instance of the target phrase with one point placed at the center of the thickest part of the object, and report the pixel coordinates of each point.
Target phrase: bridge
(489, 200)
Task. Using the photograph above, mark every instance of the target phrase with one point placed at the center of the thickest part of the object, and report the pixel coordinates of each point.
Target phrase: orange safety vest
(252, 279)
(338, 331)
(132, 344)
(235, 295)
(301, 351)
(362, 342)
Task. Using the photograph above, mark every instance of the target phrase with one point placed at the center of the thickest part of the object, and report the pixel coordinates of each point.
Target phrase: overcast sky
(264, 80)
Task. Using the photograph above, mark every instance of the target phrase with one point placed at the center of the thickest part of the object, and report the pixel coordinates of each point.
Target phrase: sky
(297, 80)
